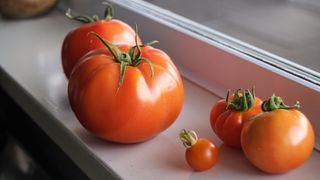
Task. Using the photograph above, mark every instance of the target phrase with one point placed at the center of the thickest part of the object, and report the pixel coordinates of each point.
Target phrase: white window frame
(218, 62)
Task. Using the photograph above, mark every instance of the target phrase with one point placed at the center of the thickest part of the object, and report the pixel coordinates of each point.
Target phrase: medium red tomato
(227, 118)
(201, 154)
(279, 139)
(77, 42)
(127, 96)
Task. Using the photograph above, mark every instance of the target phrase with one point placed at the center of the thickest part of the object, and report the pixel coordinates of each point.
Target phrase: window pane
(287, 28)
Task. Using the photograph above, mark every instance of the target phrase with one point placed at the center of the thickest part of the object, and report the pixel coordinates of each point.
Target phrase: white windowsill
(32, 75)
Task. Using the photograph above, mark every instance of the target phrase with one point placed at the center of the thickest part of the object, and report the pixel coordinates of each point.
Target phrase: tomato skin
(278, 141)
(78, 42)
(202, 156)
(141, 109)
(228, 123)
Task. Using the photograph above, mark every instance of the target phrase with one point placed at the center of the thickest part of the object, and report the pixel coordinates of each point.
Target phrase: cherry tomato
(227, 118)
(279, 139)
(126, 94)
(77, 42)
(201, 154)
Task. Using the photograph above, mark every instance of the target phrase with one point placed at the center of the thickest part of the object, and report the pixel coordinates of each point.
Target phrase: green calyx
(241, 102)
(276, 102)
(188, 138)
(108, 14)
(132, 58)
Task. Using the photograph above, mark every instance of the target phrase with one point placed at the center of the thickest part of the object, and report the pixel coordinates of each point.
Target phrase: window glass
(289, 29)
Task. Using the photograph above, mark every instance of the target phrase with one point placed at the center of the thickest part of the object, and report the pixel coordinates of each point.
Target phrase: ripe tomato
(126, 94)
(278, 140)
(77, 42)
(201, 154)
(227, 118)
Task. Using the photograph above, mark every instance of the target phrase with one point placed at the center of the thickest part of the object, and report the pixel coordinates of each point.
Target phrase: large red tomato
(77, 42)
(227, 118)
(127, 96)
(278, 140)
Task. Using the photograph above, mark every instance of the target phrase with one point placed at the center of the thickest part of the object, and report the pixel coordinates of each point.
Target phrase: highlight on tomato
(278, 140)
(228, 115)
(201, 154)
(77, 42)
(126, 94)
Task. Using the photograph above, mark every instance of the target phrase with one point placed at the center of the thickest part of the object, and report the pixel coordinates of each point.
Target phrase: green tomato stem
(276, 102)
(241, 102)
(83, 19)
(123, 66)
(108, 15)
(126, 59)
(108, 12)
(188, 138)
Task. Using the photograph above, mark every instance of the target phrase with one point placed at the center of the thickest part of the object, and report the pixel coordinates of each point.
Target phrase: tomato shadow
(172, 155)
(233, 159)
(161, 150)
(178, 163)
(65, 104)
(95, 141)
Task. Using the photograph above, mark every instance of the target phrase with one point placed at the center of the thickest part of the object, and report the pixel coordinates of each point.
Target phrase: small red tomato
(201, 154)
(77, 42)
(227, 118)
(279, 139)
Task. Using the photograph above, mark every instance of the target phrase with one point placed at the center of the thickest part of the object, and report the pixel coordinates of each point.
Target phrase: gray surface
(290, 29)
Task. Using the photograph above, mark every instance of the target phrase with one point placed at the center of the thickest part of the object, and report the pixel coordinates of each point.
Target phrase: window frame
(218, 62)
